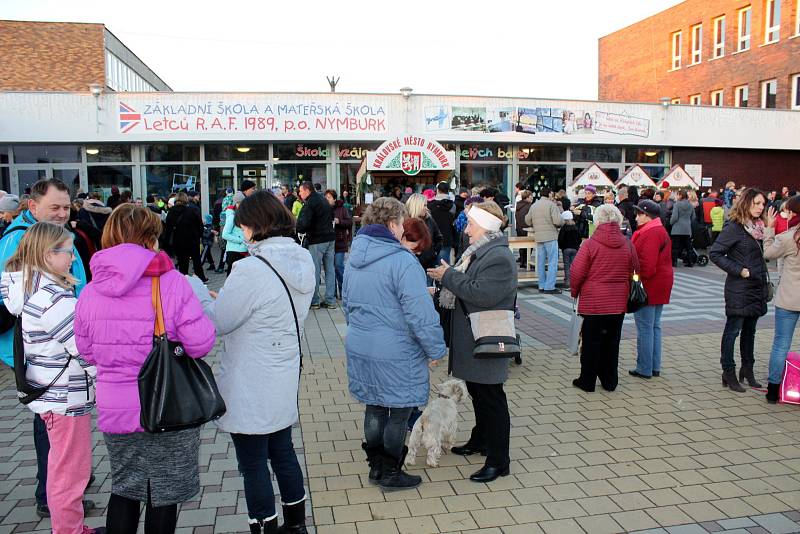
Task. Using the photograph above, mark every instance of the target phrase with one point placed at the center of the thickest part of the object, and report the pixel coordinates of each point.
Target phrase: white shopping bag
(574, 333)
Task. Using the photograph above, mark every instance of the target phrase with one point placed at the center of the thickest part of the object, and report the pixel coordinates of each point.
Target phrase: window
(697, 44)
(795, 103)
(676, 50)
(719, 37)
(676, 101)
(742, 96)
(717, 98)
(744, 29)
(239, 151)
(47, 154)
(769, 94)
(596, 153)
(772, 18)
(694, 100)
(169, 152)
(797, 19)
(108, 153)
(645, 155)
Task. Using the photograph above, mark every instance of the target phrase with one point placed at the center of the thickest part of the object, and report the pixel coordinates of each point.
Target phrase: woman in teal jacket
(235, 247)
(392, 332)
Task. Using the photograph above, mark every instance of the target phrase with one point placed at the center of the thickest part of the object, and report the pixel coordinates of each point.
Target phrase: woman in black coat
(183, 230)
(738, 252)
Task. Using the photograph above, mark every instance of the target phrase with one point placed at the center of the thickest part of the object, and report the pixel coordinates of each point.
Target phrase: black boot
(746, 373)
(729, 380)
(269, 526)
(375, 461)
(772, 392)
(394, 478)
(294, 519)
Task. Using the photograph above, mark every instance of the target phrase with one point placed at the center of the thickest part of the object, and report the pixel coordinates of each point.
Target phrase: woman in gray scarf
(484, 279)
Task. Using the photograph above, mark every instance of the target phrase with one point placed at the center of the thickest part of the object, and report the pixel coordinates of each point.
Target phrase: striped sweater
(47, 332)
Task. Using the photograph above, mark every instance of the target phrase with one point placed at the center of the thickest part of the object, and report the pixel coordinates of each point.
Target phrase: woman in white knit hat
(484, 280)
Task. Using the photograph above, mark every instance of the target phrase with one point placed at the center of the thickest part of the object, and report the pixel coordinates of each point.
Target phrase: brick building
(65, 56)
(707, 52)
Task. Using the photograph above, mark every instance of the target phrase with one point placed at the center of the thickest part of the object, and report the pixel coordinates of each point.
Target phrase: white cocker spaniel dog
(436, 427)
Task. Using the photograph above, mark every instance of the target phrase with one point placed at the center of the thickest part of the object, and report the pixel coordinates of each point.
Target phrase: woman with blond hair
(114, 323)
(38, 287)
(738, 252)
(417, 206)
(483, 280)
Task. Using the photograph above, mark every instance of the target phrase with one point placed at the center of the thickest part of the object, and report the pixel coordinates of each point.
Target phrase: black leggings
(123, 517)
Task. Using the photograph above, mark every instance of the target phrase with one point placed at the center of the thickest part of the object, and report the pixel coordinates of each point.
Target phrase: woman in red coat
(653, 246)
(601, 277)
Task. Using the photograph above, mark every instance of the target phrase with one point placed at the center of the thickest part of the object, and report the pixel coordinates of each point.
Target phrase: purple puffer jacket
(114, 322)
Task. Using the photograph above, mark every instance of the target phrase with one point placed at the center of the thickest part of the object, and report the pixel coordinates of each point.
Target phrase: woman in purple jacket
(114, 321)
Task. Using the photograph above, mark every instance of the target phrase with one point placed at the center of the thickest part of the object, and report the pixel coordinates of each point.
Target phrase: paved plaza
(676, 454)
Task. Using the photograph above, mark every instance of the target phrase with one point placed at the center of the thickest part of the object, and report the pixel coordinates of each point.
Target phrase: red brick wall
(767, 169)
(635, 62)
(46, 56)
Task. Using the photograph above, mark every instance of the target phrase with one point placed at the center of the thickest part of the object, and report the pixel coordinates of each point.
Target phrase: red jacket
(602, 270)
(654, 249)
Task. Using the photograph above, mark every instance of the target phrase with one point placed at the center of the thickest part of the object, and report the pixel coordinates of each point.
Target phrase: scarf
(755, 229)
(447, 299)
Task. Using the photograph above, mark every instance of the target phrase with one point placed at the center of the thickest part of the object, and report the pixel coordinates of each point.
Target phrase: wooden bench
(529, 274)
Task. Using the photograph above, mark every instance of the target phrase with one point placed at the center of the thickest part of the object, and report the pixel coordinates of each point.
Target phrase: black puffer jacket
(183, 229)
(733, 251)
(427, 258)
(443, 211)
(316, 220)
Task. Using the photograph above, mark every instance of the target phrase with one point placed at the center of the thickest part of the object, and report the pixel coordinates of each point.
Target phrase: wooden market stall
(636, 176)
(677, 178)
(592, 175)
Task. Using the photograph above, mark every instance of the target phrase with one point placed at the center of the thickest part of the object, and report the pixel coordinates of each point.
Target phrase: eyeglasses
(69, 251)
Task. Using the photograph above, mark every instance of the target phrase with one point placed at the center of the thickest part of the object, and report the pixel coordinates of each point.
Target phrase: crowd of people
(423, 278)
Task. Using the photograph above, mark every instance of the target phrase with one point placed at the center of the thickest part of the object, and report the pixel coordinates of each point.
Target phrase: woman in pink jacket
(114, 322)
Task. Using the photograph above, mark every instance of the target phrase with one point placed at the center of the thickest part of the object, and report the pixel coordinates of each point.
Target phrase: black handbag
(175, 391)
(637, 299)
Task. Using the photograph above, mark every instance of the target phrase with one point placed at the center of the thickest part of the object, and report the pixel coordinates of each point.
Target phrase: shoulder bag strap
(159, 329)
(291, 301)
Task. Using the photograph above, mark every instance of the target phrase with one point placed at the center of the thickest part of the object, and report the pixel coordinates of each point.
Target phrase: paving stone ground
(677, 454)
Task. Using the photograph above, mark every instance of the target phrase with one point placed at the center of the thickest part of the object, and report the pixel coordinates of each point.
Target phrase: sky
(523, 48)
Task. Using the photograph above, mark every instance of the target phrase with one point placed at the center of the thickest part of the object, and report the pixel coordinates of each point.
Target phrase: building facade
(743, 53)
(156, 143)
(65, 56)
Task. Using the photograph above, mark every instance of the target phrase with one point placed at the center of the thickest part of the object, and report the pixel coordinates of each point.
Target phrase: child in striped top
(37, 286)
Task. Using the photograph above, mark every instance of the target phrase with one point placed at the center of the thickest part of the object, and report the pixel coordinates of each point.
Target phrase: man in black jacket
(443, 211)
(316, 222)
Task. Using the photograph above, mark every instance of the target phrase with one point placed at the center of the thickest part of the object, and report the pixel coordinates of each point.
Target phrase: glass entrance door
(220, 179)
(27, 177)
(255, 172)
(71, 177)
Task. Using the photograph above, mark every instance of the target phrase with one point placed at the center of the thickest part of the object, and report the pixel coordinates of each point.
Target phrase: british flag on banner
(128, 117)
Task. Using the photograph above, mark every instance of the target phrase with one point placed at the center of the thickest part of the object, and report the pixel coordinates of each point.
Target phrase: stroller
(701, 240)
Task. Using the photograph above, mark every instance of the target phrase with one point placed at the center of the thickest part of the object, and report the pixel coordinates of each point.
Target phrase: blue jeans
(338, 262)
(569, 256)
(253, 451)
(785, 322)
(547, 254)
(648, 339)
(322, 254)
